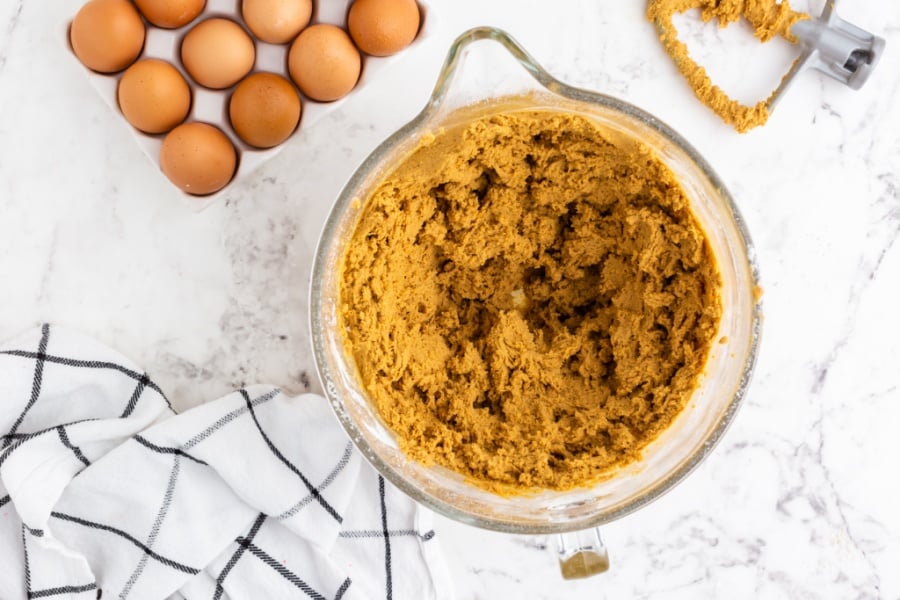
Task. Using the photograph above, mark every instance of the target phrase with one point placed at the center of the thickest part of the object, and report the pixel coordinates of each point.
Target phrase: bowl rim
(346, 198)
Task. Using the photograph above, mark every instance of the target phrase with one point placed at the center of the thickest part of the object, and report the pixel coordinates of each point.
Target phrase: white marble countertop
(796, 502)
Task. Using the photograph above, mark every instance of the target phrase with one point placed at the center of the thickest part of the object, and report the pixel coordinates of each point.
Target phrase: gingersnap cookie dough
(769, 18)
(528, 302)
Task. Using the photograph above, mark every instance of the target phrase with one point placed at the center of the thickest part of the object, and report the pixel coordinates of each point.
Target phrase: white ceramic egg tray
(211, 106)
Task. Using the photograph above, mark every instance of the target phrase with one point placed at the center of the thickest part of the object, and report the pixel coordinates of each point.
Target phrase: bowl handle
(581, 554)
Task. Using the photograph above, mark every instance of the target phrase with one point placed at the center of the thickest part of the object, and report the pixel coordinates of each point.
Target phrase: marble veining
(798, 500)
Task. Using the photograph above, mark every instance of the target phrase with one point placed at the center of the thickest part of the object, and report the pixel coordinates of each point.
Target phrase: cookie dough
(769, 18)
(529, 302)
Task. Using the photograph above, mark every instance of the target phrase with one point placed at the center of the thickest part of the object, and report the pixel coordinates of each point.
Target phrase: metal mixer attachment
(835, 47)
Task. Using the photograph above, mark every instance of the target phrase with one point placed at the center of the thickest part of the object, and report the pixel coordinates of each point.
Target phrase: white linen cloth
(105, 491)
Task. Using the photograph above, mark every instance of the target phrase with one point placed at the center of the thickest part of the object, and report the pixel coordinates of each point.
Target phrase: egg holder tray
(211, 106)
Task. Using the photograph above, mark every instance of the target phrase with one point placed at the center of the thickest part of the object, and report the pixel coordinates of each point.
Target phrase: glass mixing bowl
(501, 77)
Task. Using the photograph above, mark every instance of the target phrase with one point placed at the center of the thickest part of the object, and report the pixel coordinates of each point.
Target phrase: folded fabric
(106, 491)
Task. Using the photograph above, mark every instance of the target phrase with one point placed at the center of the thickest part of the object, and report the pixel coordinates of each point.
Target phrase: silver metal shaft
(835, 47)
(840, 49)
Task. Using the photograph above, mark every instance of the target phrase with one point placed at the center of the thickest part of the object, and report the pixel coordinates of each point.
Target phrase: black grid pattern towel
(105, 490)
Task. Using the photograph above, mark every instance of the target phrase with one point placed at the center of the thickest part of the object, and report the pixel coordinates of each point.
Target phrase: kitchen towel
(106, 492)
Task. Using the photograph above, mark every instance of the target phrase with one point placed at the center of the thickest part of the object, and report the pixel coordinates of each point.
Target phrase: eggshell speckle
(217, 53)
(107, 35)
(154, 96)
(264, 109)
(324, 63)
(170, 14)
(198, 158)
(276, 21)
(383, 27)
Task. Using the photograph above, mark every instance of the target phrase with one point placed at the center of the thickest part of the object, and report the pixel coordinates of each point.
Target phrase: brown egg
(324, 63)
(264, 109)
(198, 158)
(154, 96)
(107, 35)
(383, 27)
(217, 53)
(276, 21)
(170, 14)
